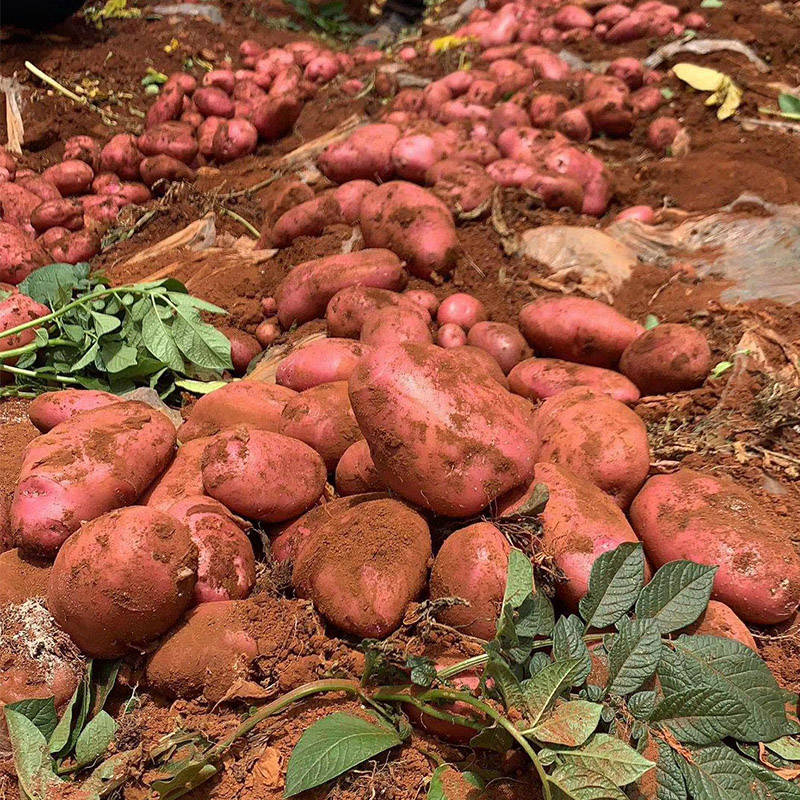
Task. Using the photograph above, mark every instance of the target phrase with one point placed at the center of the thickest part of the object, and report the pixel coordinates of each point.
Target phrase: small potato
(244, 348)
(646, 100)
(122, 157)
(575, 125)
(356, 473)
(712, 520)
(395, 325)
(268, 332)
(413, 156)
(350, 196)
(97, 208)
(451, 335)
(472, 564)
(213, 102)
(250, 403)
(19, 254)
(220, 78)
(598, 438)
(577, 329)
(643, 214)
(571, 17)
(17, 309)
(164, 168)
(348, 308)
(634, 26)
(58, 213)
(182, 478)
(428, 300)
(322, 418)
(168, 105)
(261, 475)
(82, 148)
(52, 408)
(546, 108)
(661, 134)
(234, 139)
(504, 343)
(509, 173)
(17, 204)
(557, 191)
(461, 309)
(277, 199)
(719, 620)
(667, 358)
(323, 361)
(628, 70)
(70, 177)
(365, 155)
(540, 378)
(174, 139)
(206, 131)
(122, 580)
(322, 69)
(183, 81)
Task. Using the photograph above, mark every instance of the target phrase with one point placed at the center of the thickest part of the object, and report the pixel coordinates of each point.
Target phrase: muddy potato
(52, 408)
(395, 325)
(462, 309)
(121, 156)
(356, 473)
(504, 343)
(182, 478)
(719, 620)
(347, 309)
(70, 177)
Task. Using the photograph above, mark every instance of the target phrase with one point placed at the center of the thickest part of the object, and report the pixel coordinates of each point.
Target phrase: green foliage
(330, 19)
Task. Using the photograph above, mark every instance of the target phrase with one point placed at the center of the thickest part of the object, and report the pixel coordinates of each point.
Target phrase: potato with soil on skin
(36, 184)
(356, 473)
(123, 580)
(72, 248)
(347, 309)
(598, 438)
(96, 461)
(428, 300)
(323, 361)
(712, 520)
(244, 348)
(667, 358)
(579, 524)
(206, 655)
(540, 378)
(19, 254)
(122, 157)
(395, 325)
(577, 329)
(82, 148)
(461, 309)
(21, 577)
(365, 155)
(451, 335)
(70, 177)
(276, 115)
(719, 620)
(504, 343)
(482, 367)
(226, 565)
(252, 403)
(322, 418)
(156, 169)
(182, 478)
(16, 206)
(307, 219)
(18, 309)
(261, 475)
(414, 224)
(462, 185)
(441, 436)
(305, 292)
(472, 564)
(234, 139)
(174, 139)
(364, 566)
(52, 408)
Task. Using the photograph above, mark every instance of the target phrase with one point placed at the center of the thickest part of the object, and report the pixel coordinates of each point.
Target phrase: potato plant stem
(54, 84)
(29, 373)
(30, 348)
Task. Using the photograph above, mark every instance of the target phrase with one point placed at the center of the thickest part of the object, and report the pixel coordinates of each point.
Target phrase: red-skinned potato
(643, 214)
(395, 325)
(556, 191)
(122, 157)
(628, 70)
(667, 358)
(462, 309)
(44, 189)
(546, 108)
(268, 332)
(322, 418)
(17, 204)
(571, 17)
(428, 300)
(348, 308)
(22, 578)
(122, 580)
(277, 200)
(251, 403)
(234, 139)
(609, 117)
(221, 78)
(364, 566)
(540, 378)
(97, 208)
(323, 361)
(504, 343)
(182, 478)
(52, 408)
(462, 185)
(275, 116)
(19, 254)
(8, 166)
(167, 106)
(156, 169)
(661, 134)
(212, 101)
(719, 620)
(414, 155)
(308, 219)
(82, 148)
(94, 462)
(366, 154)
(307, 289)
(598, 438)
(244, 348)
(451, 335)
(711, 520)
(206, 131)
(476, 425)
(58, 213)
(72, 248)
(70, 177)
(356, 473)
(577, 329)
(480, 364)
(174, 139)
(17, 309)
(575, 125)
(634, 26)
(508, 172)
(261, 475)
(472, 564)
(350, 196)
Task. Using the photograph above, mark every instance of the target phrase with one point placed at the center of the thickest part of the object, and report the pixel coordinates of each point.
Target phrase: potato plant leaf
(677, 595)
(785, 747)
(95, 738)
(493, 738)
(505, 681)
(700, 716)
(789, 103)
(31, 757)
(542, 691)
(616, 579)
(570, 724)
(766, 785)
(447, 783)
(54, 284)
(670, 783)
(634, 656)
(572, 782)
(717, 773)
(568, 643)
(610, 757)
(332, 746)
(41, 712)
(642, 704)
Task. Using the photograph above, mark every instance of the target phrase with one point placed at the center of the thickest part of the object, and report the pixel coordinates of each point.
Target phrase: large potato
(365, 155)
(439, 437)
(51, 408)
(182, 478)
(719, 620)
(714, 521)
(472, 564)
(262, 475)
(322, 361)
(598, 438)
(395, 325)
(540, 378)
(122, 580)
(94, 462)
(364, 566)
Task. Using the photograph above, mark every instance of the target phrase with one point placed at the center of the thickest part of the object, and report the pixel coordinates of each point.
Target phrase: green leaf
(650, 322)
(542, 690)
(677, 595)
(537, 663)
(60, 738)
(519, 583)
(116, 356)
(610, 757)
(332, 746)
(670, 784)
(568, 643)
(31, 758)
(634, 656)
(54, 284)
(700, 716)
(766, 785)
(95, 738)
(438, 790)
(717, 773)
(736, 671)
(789, 103)
(195, 302)
(642, 704)
(158, 339)
(422, 670)
(785, 747)
(493, 738)
(570, 724)
(505, 682)
(104, 678)
(533, 506)
(203, 345)
(571, 782)
(667, 93)
(721, 368)
(41, 712)
(104, 323)
(614, 584)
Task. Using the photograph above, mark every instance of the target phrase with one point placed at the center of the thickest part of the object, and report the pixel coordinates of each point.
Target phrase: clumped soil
(742, 424)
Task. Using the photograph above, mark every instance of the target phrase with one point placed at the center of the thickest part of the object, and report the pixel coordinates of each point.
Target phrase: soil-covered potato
(356, 473)
(52, 408)
(720, 620)
(182, 478)
(347, 309)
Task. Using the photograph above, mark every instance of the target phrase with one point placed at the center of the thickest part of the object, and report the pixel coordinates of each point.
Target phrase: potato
(261, 475)
(414, 155)
(226, 566)
(99, 208)
(667, 358)
(164, 168)
(643, 214)
(577, 329)
(52, 408)
(575, 125)
(183, 81)
(428, 300)
(611, 14)
(17, 204)
(719, 620)
(322, 69)
(509, 173)
(395, 325)
(609, 117)
(234, 139)
(58, 213)
(712, 520)
(426, 413)
(362, 567)
(546, 108)
(207, 655)
(122, 157)
(588, 171)
(556, 191)
(122, 580)
(322, 418)
(322, 361)
(167, 106)
(221, 78)
(461, 309)
(308, 219)
(22, 578)
(356, 473)
(73, 248)
(182, 478)
(462, 185)
(252, 403)
(211, 101)
(8, 166)
(43, 189)
(662, 133)
(275, 116)
(600, 439)
(348, 308)
(451, 335)
(472, 564)
(205, 132)
(70, 177)
(19, 254)
(540, 378)
(350, 196)
(174, 139)
(244, 348)
(282, 195)
(504, 343)
(94, 462)
(306, 290)
(634, 26)
(366, 154)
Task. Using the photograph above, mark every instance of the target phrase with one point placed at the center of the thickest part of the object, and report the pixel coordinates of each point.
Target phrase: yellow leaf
(445, 43)
(700, 78)
(731, 102)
